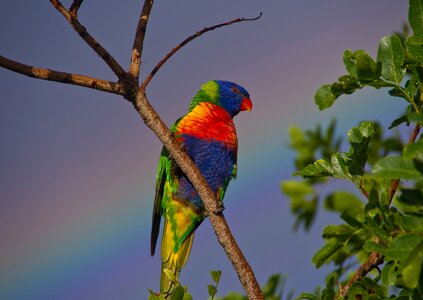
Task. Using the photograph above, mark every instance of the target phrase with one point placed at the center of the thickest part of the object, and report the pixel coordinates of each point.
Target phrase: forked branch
(91, 41)
(75, 7)
(128, 87)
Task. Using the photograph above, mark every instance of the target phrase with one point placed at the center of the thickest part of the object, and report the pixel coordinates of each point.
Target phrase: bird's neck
(209, 121)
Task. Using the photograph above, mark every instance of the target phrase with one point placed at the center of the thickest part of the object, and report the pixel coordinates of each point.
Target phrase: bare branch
(189, 39)
(134, 67)
(83, 33)
(130, 90)
(75, 6)
(51, 75)
(223, 233)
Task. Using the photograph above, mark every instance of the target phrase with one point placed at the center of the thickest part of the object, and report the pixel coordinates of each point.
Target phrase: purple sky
(77, 167)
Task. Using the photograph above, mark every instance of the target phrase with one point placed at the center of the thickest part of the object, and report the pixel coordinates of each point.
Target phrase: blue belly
(215, 161)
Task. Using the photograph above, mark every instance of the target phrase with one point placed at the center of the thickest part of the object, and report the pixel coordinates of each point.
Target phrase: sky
(78, 167)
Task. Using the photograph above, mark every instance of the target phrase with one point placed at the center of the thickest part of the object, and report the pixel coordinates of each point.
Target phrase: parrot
(207, 133)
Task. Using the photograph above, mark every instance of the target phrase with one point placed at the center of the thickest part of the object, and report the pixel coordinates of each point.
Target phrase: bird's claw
(219, 209)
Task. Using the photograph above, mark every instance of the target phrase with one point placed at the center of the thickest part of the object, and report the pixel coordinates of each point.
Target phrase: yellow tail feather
(172, 262)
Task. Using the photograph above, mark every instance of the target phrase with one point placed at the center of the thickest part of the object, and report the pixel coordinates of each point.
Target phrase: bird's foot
(219, 209)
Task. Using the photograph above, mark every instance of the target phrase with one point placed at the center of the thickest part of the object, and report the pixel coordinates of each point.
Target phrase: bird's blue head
(231, 96)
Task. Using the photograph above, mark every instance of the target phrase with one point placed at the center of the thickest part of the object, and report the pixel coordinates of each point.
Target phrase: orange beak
(246, 104)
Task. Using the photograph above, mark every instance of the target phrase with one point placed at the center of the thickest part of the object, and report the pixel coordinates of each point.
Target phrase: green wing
(162, 175)
(163, 168)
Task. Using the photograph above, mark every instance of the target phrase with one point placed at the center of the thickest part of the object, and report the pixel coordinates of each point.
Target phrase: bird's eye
(235, 90)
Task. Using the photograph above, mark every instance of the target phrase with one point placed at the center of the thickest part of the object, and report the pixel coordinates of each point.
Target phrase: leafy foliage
(385, 214)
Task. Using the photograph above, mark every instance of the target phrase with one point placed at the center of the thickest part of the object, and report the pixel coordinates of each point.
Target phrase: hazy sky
(77, 167)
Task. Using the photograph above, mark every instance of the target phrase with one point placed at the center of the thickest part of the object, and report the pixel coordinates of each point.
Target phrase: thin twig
(83, 33)
(75, 6)
(51, 75)
(189, 39)
(134, 67)
(223, 233)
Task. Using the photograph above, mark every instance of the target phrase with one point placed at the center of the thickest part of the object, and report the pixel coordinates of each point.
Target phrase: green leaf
(340, 200)
(379, 230)
(324, 253)
(271, 286)
(396, 167)
(324, 97)
(321, 168)
(371, 246)
(212, 290)
(401, 247)
(415, 49)
(411, 270)
(391, 55)
(346, 84)
(367, 129)
(349, 62)
(340, 232)
(367, 68)
(360, 65)
(339, 166)
(178, 293)
(293, 188)
(414, 150)
(389, 273)
(399, 121)
(351, 216)
(359, 139)
(412, 223)
(411, 196)
(187, 296)
(366, 288)
(415, 18)
(307, 296)
(215, 274)
(416, 118)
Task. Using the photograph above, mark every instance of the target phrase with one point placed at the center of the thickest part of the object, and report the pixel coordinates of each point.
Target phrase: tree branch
(189, 39)
(83, 33)
(63, 77)
(74, 7)
(372, 262)
(134, 67)
(130, 90)
(223, 233)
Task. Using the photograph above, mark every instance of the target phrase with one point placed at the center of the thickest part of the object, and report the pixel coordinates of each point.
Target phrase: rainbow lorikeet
(208, 135)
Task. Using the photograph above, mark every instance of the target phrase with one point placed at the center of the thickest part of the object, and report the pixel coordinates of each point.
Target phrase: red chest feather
(209, 121)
